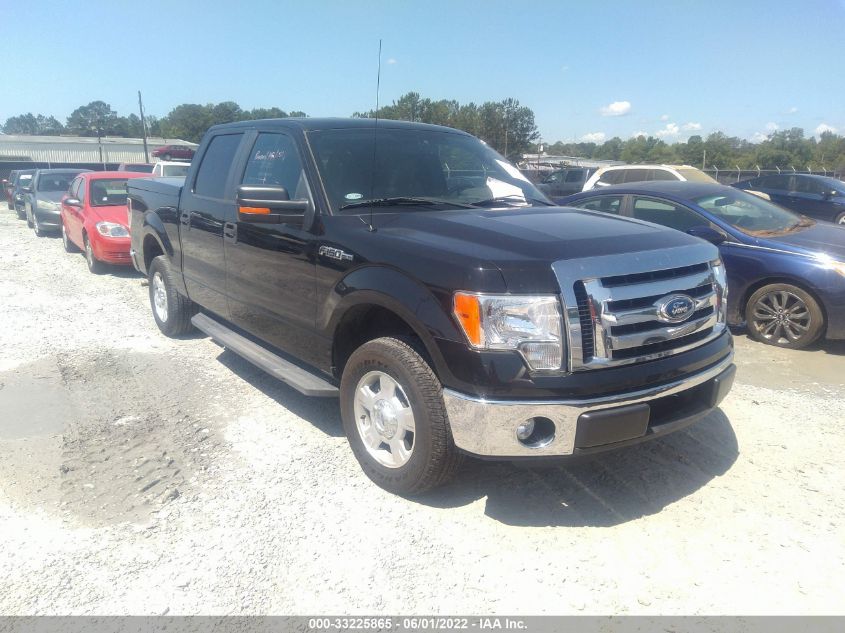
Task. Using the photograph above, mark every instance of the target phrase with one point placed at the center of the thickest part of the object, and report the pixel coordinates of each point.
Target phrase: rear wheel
(784, 315)
(94, 265)
(394, 418)
(28, 218)
(70, 247)
(840, 219)
(172, 311)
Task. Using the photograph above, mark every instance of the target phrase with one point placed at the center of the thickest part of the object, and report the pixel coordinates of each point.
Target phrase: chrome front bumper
(488, 427)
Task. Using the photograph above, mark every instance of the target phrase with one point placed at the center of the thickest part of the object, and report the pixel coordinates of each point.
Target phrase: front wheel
(840, 219)
(784, 315)
(395, 419)
(172, 311)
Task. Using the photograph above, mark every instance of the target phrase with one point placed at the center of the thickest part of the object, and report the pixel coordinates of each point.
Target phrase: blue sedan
(786, 272)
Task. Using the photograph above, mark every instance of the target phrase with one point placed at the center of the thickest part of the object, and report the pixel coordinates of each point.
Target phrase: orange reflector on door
(254, 210)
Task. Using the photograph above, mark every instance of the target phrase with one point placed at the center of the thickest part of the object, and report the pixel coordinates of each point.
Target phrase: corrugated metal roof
(80, 149)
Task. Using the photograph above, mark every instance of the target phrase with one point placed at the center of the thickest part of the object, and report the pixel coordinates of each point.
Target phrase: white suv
(618, 174)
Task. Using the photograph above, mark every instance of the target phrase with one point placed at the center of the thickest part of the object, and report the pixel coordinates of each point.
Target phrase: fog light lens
(524, 430)
(542, 355)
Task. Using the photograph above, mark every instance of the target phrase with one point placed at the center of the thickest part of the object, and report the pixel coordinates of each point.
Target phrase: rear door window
(576, 175)
(661, 174)
(779, 182)
(612, 177)
(636, 175)
(213, 175)
(666, 213)
(605, 204)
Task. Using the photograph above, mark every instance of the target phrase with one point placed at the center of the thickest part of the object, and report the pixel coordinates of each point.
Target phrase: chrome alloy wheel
(89, 253)
(781, 317)
(384, 419)
(160, 297)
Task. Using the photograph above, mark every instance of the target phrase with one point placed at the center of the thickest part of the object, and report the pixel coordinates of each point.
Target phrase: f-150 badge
(335, 253)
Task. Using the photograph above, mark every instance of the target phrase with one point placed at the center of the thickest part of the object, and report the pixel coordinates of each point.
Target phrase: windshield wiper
(510, 200)
(398, 201)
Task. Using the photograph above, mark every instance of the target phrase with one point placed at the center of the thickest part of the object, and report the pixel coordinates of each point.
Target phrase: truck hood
(822, 238)
(523, 243)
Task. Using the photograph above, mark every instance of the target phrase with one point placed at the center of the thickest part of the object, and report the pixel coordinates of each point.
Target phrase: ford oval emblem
(675, 308)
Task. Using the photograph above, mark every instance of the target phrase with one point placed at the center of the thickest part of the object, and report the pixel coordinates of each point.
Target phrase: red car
(94, 218)
(169, 152)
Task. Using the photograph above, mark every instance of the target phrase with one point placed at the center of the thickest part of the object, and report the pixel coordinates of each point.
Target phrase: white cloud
(824, 127)
(793, 110)
(664, 117)
(391, 61)
(691, 127)
(772, 127)
(594, 137)
(759, 137)
(639, 134)
(617, 108)
(671, 129)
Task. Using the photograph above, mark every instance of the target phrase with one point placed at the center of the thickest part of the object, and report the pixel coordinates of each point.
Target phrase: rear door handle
(230, 231)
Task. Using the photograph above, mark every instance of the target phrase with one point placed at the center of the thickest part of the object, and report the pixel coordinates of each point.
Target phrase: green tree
(88, 119)
(32, 124)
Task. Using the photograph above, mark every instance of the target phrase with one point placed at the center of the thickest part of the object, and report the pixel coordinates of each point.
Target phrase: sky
(589, 70)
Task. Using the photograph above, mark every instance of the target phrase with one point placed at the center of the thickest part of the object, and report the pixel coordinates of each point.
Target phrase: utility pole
(143, 128)
(704, 160)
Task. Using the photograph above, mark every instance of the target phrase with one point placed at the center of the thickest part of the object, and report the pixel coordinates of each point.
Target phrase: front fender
(425, 312)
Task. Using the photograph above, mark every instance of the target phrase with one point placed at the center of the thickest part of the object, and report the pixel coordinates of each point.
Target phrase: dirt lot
(141, 475)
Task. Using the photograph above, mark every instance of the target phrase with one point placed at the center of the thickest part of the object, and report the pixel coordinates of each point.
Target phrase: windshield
(174, 170)
(752, 215)
(444, 166)
(695, 175)
(55, 182)
(108, 192)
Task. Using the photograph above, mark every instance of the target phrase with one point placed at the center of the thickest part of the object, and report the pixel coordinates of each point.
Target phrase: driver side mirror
(708, 233)
(269, 204)
(73, 202)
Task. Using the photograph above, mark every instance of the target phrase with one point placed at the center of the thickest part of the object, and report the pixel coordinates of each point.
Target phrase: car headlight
(721, 276)
(530, 324)
(112, 229)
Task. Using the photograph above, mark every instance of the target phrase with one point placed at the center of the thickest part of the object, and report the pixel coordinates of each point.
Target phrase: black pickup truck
(412, 272)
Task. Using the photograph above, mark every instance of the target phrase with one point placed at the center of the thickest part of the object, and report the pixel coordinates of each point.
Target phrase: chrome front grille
(615, 306)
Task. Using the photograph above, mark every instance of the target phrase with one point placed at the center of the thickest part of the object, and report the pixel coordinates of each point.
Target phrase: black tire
(94, 265)
(785, 316)
(179, 309)
(21, 213)
(69, 246)
(39, 232)
(840, 219)
(434, 458)
(28, 219)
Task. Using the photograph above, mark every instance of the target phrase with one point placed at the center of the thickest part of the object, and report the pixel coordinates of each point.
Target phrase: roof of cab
(309, 124)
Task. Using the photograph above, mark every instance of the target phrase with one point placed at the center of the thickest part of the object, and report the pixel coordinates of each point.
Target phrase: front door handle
(230, 231)
(185, 218)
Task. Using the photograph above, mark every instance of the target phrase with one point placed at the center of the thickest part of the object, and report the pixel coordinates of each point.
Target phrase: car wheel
(172, 310)
(39, 232)
(70, 247)
(840, 219)
(28, 219)
(94, 265)
(784, 315)
(21, 214)
(166, 157)
(395, 419)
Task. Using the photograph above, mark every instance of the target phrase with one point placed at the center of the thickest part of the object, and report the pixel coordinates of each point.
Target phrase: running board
(300, 379)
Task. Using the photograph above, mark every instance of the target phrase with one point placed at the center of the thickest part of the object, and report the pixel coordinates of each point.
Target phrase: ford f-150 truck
(411, 271)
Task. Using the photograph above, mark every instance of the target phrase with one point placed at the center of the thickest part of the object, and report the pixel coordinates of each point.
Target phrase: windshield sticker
(512, 171)
(354, 196)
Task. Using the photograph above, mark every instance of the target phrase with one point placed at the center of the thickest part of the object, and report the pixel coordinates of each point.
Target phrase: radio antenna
(375, 137)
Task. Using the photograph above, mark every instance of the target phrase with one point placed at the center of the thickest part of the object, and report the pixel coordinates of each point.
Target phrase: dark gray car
(22, 179)
(565, 182)
(43, 195)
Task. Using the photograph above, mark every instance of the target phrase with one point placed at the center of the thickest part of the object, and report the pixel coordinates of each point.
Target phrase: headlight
(722, 289)
(528, 324)
(111, 229)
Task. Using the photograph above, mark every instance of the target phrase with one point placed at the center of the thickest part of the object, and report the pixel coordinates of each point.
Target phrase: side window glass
(81, 186)
(574, 176)
(808, 185)
(605, 204)
(216, 163)
(274, 160)
(661, 174)
(667, 214)
(780, 182)
(636, 175)
(612, 177)
(73, 190)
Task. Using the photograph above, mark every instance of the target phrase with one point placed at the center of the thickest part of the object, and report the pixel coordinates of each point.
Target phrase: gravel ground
(141, 475)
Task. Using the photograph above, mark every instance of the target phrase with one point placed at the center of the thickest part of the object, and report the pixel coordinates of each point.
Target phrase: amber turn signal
(468, 312)
(254, 210)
